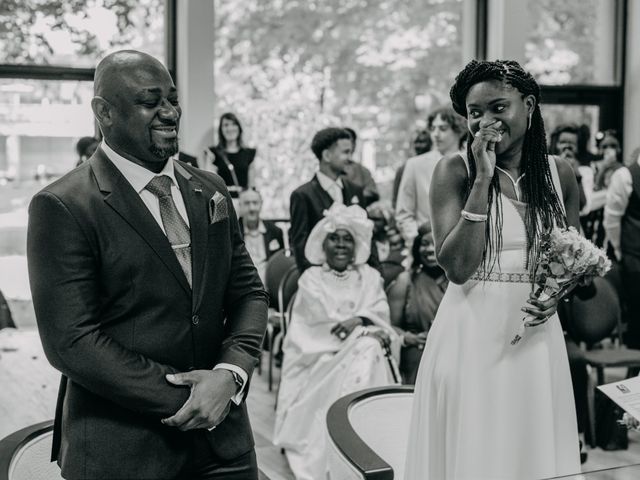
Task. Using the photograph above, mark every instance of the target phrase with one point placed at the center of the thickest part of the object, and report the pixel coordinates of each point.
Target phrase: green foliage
(42, 31)
(561, 47)
(288, 68)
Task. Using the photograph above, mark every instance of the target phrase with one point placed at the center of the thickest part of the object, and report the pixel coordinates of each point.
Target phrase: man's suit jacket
(273, 237)
(115, 314)
(307, 205)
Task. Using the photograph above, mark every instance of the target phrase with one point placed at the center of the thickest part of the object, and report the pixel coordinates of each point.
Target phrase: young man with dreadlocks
(483, 408)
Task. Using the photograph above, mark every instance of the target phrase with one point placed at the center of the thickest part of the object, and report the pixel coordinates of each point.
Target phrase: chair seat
(614, 357)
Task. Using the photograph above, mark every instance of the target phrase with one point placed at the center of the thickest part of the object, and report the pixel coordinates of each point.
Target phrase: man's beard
(164, 152)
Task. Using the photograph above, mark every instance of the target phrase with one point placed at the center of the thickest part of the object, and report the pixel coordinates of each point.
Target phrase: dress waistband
(502, 277)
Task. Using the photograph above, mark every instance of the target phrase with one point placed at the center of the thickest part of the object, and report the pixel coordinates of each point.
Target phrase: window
(78, 34)
(47, 57)
(288, 69)
(572, 42)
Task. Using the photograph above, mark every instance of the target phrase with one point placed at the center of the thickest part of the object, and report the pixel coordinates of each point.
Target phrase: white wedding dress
(485, 409)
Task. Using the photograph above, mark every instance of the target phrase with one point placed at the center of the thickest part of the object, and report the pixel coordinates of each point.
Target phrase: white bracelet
(473, 217)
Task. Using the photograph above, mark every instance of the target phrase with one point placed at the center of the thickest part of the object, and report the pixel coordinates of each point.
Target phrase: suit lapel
(121, 197)
(195, 200)
(322, 196)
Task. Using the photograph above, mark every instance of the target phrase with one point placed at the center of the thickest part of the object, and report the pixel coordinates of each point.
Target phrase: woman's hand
(541, 309)
(484, 148)
(415, 340)
(343, 329)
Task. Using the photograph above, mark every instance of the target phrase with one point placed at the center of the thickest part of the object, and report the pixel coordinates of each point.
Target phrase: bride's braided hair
(543, 205)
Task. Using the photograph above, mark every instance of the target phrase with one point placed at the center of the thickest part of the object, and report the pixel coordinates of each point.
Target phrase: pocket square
(218, 209)
(355, 200)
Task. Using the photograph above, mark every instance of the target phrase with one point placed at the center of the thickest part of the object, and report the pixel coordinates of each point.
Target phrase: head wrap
(352, 219)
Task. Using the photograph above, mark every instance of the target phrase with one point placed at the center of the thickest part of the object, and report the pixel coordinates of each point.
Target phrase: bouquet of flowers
(566, 259)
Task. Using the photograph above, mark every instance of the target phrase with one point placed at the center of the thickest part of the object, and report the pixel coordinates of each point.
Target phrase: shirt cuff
(237, 398)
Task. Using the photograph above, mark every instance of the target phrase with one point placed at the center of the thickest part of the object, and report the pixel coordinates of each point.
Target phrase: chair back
(288, 287)
(26, 454)
(594, 319)
(364, 449)
(277, 267)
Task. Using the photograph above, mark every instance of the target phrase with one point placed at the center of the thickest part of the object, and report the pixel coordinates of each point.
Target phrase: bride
(485, 409)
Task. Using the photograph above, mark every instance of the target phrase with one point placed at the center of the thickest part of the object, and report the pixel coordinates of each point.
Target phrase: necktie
(174, 225)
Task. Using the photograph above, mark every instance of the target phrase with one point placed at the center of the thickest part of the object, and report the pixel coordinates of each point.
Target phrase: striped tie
(174, 225)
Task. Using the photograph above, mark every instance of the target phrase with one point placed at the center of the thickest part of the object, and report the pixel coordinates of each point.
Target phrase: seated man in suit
(333, 148)
(261, 237)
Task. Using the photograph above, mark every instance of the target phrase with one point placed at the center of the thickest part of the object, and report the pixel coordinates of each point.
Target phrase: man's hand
(415, 340)
(209, 402)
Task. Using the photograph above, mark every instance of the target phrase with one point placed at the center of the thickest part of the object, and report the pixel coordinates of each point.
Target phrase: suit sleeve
(370, 191)
(300, 229)
(63, 274)
(246, 305)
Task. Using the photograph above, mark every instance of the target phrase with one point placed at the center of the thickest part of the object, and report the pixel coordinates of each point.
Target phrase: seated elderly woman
(339, 339)
(414, 299)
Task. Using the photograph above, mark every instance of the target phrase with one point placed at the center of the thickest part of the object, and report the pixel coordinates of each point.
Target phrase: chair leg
(591, 410)
(270, 371)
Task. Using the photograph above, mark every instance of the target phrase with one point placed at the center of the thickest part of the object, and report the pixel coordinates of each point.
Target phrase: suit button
(195, 319)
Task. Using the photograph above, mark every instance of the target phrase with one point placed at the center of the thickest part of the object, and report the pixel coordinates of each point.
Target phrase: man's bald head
(136, 105)
(118, 67)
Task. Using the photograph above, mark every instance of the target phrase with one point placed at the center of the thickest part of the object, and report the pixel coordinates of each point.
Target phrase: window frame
(56, 72)
(609, 98)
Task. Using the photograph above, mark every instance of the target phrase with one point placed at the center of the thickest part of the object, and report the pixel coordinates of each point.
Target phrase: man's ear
(102, 111)
(325, 155)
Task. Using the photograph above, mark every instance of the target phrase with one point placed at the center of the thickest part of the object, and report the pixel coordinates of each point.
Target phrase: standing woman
(483, 408)
(230, 158)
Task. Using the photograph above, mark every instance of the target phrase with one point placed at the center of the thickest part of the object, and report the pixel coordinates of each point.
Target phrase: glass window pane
(555, 115)
(289, 68)
(40, 123)
(78, 33)
(572, 41)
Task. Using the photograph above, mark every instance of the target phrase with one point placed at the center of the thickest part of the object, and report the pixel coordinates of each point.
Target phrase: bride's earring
(529, 121)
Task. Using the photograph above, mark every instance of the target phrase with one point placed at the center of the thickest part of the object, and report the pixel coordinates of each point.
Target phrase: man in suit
(333, 149)
(146, 298)
(261, 237)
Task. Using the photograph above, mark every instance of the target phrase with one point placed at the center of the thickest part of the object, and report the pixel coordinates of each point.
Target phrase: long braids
(543, 204)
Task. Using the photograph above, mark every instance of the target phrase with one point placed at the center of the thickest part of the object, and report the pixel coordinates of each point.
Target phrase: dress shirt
(412, 204)
(138, 177)
(332, 187)
(618, 195)
(254, 241)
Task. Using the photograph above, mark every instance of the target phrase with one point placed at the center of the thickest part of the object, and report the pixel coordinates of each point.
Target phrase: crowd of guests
(406, 283)
(370, 284)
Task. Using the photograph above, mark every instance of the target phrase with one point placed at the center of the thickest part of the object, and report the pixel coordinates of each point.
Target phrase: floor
(29, 387)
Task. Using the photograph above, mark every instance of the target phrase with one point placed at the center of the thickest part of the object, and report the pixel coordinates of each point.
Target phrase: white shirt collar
(136, 175)
(261, 228)
(326, 182)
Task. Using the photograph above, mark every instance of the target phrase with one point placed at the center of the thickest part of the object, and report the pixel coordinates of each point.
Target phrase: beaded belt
(502, 277)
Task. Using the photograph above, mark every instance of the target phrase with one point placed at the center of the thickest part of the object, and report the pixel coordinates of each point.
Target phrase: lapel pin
(197, 190)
